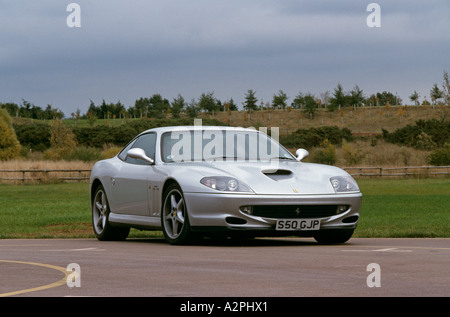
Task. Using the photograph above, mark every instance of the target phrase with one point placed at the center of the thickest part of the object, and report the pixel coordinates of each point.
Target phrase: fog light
(341, 208)
(247, 209)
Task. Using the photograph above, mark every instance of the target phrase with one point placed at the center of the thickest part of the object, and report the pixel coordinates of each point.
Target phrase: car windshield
(220, 145)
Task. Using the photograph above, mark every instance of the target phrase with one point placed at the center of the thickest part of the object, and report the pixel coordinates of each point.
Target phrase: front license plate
(298, 224)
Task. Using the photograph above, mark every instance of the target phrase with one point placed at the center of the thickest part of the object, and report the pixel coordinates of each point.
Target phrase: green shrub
(34, 136)
(424, 142)
(9, 145)
(424, 135)
(56, 154)
(325, 155)
(109, 152)
(440, 157)
(312, 137)
(85, 154)
(352, 156)
(98, 136)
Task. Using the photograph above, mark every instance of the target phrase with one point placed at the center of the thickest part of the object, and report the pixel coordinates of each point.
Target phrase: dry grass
(364, 120)
(382, 154)
(42, 164)
(367, 153)
(39, 175)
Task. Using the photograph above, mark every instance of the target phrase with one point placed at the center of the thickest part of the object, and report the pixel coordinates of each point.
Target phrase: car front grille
(295, 211)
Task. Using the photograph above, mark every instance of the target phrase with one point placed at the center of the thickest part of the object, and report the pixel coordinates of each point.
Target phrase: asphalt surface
(257, 268)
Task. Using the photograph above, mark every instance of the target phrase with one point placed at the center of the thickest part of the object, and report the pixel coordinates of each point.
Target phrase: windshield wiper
(224, 157)
(281, 158)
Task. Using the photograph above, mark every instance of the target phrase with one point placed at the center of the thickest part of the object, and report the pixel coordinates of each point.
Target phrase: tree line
(29, 110)
(156, 106)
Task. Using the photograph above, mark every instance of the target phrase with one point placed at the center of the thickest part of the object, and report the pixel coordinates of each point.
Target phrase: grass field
(405, 208)
(391, 208)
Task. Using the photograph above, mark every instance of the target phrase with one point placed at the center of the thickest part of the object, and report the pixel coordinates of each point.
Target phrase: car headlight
(343, 184)
(226, 184)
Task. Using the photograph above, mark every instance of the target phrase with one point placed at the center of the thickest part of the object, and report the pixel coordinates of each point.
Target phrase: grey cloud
(125, 50)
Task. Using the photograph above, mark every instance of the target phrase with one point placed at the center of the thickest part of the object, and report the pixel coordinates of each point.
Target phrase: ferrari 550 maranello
(204, 181)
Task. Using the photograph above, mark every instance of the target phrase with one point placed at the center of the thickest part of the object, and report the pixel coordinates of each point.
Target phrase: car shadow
(235, 242)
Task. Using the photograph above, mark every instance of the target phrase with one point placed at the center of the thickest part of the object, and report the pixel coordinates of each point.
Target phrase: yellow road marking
(39, 288)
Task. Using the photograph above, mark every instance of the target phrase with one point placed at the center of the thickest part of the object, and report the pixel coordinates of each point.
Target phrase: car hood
(279, 177)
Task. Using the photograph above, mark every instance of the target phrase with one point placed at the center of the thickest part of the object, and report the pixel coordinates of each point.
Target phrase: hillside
(370, 149)
(364, 120)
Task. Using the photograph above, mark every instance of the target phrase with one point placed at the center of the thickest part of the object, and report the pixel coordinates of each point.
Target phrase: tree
(414, 97)
(435, 93)
(192, 108)
(62, 136)
(338, 100)
(325, 97)
(356, 97)
(280, 100)
(387, 98)
(25, 109)
(446, 89)
(230, 105)
(177, 105)
(29, 110)
(141, 107)
(310, 105)
(12, 108)
(208, 102)
(62, 140)
(116, 109)
(9, 146)
(250, 100)
(298, 102)
(158, 106)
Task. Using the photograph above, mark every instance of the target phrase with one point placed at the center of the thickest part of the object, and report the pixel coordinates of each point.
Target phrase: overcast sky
(125, 50)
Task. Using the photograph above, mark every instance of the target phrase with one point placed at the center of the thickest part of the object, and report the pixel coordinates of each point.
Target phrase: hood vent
(279, 174)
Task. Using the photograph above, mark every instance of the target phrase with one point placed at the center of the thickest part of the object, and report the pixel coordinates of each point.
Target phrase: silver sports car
(203, 181)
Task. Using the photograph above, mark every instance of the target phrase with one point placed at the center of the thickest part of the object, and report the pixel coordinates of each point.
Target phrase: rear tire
(100, 219)
(334, 236)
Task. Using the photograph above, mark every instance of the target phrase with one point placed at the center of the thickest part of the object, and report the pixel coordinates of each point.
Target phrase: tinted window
(123, 153)
(147, 142)
(182, 146)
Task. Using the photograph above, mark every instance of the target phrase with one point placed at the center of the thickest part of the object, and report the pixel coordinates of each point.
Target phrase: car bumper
(211, 212)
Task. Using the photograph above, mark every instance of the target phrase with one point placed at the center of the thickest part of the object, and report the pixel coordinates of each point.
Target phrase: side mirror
(301, 154)
(138, 153)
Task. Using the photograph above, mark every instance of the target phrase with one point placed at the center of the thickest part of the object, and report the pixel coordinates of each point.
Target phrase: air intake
(278, 174)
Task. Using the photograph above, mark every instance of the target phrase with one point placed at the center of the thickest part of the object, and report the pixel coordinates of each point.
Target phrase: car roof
(199, 128)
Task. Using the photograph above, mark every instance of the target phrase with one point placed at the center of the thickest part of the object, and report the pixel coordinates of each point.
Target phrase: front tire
(100, 219)
(174, 216)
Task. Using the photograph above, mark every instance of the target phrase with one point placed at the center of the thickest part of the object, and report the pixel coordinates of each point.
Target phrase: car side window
(123, 154)
(147, 142)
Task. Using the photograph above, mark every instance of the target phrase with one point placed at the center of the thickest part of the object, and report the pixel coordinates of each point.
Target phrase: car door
(130, 189)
